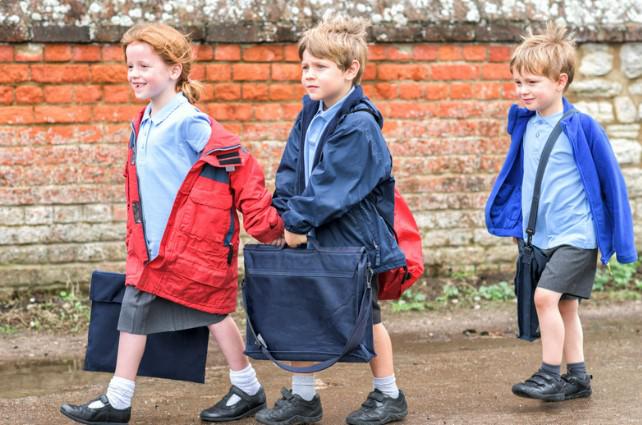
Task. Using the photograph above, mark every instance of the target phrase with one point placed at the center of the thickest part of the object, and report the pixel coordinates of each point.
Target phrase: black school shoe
(576, 386)
(541, 386)
(291, 409)
(106, 415)
(379, 409)
(246, 406)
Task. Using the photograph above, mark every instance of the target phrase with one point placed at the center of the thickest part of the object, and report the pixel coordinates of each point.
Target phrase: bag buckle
(260, 341)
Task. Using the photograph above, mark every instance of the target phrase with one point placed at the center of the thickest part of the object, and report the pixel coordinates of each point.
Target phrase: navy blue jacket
(349, 198)
(600, 174)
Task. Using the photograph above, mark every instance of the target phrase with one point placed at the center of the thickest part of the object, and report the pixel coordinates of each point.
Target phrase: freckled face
(149, 76)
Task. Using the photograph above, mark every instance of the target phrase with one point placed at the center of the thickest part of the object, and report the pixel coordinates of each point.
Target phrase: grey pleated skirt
(143, 313)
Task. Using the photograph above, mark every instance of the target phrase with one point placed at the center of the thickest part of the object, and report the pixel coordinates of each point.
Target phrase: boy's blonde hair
(340, 40)
(550, 54)
(173, 47)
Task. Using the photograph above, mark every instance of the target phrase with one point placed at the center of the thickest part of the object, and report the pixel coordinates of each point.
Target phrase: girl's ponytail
(191, 89)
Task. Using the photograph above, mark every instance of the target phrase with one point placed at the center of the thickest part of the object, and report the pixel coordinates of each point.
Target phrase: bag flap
(107, 286)
(317, 260)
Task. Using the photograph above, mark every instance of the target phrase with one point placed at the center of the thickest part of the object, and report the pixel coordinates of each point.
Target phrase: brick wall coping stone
(258, 21)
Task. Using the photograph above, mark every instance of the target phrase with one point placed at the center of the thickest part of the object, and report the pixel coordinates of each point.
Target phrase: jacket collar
(518, 115)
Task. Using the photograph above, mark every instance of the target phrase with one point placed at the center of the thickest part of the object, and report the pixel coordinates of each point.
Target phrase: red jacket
(197, 261)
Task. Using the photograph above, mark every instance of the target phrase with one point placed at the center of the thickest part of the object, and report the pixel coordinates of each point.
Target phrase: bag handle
(539, 176)
(352, 343)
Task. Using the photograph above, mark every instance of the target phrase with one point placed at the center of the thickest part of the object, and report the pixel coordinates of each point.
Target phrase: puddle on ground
(33, 378)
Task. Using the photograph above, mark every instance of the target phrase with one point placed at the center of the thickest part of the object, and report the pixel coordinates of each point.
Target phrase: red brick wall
(64, 112)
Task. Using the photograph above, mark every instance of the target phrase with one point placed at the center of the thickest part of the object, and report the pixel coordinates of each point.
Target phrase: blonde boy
(583, 206)
(333, 183)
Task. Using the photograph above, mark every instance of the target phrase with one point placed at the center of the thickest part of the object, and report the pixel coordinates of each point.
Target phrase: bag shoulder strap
(539, 176)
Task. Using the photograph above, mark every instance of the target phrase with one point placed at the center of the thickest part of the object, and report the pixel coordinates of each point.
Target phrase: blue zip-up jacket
(600, 174)
(349, 198)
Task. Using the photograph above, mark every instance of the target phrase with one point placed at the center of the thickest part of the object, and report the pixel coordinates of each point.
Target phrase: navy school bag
(311, 304)
(179, 355)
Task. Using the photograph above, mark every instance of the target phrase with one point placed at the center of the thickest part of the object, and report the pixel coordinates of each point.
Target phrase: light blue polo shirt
(564, 215)
(168, 144)
(315, 131)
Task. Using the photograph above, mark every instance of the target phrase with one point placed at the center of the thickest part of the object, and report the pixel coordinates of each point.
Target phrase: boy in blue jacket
(583, 206)
(334, 183)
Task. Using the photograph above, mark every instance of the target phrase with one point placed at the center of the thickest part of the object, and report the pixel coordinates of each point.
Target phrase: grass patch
(64, 310)
(626, 277)
(618, 282)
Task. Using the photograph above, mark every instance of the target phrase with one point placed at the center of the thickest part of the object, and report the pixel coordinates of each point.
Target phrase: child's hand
(295, 239)
(515, 241)
(278, 242)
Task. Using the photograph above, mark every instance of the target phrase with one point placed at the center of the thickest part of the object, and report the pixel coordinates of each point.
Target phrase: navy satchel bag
(310, 304)
(179, 355)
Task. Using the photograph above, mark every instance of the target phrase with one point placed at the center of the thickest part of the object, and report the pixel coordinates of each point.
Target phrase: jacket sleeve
(355, 160)
(260, 218)
(286, 177)
(614, 194)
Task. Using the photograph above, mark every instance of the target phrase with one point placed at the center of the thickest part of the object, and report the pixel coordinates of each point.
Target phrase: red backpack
(393, 282)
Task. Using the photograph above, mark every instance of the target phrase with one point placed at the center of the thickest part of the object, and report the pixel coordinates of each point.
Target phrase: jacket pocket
(207, 214)
(196, 269)
(507, 206)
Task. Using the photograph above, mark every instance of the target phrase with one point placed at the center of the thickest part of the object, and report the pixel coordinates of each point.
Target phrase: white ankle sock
(387, 385)
(303, 385)
(120, 392)
(246, 380)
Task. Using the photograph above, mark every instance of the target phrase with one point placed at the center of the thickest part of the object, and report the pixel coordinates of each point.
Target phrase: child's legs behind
(242, 374)
(228, 337)
(130, 353)
(382, 364)
(573, 335)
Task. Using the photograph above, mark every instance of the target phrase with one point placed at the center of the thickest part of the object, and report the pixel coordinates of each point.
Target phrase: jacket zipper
(372, 238)
(230, 233)
(138, 206)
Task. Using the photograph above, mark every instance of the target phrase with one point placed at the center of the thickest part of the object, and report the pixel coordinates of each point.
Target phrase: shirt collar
(334, 108)
(551, 120)
(167, 110)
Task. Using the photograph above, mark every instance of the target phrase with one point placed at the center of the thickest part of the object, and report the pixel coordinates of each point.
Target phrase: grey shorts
(570, 271)
(143, 313)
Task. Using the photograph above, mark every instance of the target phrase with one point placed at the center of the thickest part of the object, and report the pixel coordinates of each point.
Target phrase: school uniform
(583, 206)
(334, 181)
(186, 179)
(167, 146)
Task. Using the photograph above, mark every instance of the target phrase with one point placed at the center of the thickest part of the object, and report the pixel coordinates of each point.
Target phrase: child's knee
(545, 299)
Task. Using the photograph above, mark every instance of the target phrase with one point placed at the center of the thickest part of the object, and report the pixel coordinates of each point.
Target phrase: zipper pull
(230, 254)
